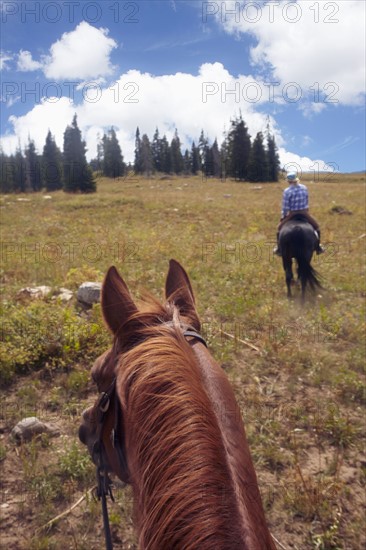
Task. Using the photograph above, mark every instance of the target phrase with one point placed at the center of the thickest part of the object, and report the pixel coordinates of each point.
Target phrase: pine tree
(239, 147)
(146, 157)
(96, 164)
(3, 172)
(113, 165)
(19, 171)
(195, 159)
(224, 158)
(176, 154)
(7, 172)
(187, 169)
(208, 164)
(138, 163)
(166, 160)
(51, 164)
(273, 159)
(156, 151)
(202, 145)
(257, 165)
(77, 173)
(204, 152)
(33, 175)
(215, 160)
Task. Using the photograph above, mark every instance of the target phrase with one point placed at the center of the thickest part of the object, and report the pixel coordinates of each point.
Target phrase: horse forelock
(183, 490)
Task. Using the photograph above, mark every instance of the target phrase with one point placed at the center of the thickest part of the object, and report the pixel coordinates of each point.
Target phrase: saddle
(302, 217)
(299, 217)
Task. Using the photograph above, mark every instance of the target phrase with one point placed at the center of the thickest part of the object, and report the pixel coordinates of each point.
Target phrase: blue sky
(190, 65)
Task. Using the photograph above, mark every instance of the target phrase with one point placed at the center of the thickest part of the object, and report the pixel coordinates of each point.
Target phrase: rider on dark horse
(295, 201)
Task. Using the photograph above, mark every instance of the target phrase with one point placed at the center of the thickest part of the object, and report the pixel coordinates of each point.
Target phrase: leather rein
(104, 483)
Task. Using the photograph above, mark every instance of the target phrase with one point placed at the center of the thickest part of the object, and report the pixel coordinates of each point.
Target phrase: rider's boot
(277, 249)
(319, 248)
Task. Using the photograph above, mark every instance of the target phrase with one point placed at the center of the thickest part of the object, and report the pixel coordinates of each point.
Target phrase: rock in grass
(29, 427)
(65, 295)
(34, 292)
(340, 210)
(39, 292)
(89, 293)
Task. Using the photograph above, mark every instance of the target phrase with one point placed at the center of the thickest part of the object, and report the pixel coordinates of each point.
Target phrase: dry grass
(302, 397)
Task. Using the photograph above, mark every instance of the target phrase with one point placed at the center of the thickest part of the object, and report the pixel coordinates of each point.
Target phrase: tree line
(53, 170)
(238, 157)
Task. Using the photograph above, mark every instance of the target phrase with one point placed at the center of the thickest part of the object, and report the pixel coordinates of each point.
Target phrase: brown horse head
(167, 422)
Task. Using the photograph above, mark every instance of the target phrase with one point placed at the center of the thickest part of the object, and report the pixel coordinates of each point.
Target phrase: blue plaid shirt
(295, 197)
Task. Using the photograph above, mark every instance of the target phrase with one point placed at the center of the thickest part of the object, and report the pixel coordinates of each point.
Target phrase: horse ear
(178, 290)
(117, 304)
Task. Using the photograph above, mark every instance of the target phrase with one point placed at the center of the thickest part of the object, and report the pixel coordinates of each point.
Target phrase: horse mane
(184, 495)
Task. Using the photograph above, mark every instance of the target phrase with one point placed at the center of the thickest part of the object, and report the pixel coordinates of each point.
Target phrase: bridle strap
(196, 335)
(104, 483)
(117, 435)
(106, 526)
(103, 490)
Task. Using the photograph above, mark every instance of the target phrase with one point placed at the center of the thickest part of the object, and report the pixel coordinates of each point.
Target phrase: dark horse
(167, 422)
(298, 240)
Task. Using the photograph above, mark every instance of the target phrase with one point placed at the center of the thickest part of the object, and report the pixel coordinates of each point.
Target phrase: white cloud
(306, 140)
(12, 101)
(310, 109)
(346, 142)
(181, 100)
(187, 102)
(293, 162)
(307, 43)
(37, 122)
(97, 82)
(26, 63)
(5, 57)
(80, 54)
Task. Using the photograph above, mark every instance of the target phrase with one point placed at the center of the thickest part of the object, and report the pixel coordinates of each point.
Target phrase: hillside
(298, 372)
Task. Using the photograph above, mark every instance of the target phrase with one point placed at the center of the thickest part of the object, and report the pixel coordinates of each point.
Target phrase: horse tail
(307, 274)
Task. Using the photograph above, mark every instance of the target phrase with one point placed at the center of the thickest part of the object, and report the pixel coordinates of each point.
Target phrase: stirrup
(277, 251)
(320, 249)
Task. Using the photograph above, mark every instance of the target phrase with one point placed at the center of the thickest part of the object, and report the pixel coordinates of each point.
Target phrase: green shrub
(47, 335)
(76, 276)
(75, 464)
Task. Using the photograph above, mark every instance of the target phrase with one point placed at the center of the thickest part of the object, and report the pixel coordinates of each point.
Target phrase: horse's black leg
(289, 279)
(303, 288)
(306, 273)
(287, 266)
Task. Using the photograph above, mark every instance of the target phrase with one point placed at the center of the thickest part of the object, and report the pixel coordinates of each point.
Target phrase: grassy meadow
(298, 372)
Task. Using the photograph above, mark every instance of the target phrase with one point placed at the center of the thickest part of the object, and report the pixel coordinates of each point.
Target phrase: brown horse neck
(243, 477)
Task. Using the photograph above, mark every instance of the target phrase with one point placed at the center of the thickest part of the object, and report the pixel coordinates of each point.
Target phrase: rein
(104, 483)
